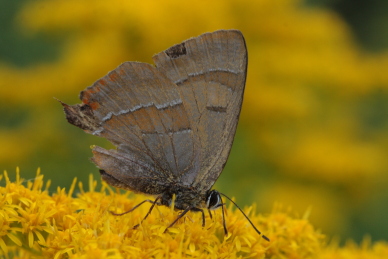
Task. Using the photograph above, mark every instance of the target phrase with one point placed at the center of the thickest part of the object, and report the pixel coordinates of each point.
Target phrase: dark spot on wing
(176, 50)
(216, 108)
(85, 108)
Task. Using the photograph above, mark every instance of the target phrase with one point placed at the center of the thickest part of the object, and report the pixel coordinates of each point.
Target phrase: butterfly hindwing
(140, 111)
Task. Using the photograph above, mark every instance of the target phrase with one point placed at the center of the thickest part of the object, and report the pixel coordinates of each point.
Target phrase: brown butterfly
(173, 124)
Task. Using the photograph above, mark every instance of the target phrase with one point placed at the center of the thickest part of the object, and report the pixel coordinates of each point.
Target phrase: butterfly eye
(213, 200)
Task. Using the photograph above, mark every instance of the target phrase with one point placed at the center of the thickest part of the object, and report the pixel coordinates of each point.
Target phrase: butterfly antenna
(245, 215)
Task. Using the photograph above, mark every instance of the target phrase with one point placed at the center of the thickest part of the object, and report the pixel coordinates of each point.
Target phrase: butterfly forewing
(210, 72)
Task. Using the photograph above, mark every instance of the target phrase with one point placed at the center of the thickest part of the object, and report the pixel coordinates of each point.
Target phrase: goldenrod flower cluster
(314, 106)
(37, 224)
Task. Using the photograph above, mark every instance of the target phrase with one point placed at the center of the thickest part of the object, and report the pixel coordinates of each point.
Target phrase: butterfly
(173, 123)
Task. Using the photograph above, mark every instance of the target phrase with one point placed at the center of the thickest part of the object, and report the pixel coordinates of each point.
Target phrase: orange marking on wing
(121, 72)
(94, 105)
(114, 76)
(88, 92)
(102, 81)
(85, 99)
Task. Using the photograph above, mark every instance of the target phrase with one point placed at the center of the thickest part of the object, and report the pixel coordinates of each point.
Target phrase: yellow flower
(35, 224)
(366, 249)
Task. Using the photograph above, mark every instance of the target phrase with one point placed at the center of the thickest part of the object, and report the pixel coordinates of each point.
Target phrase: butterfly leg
(203, 215)
(138, 205)
(223, 218)
(179, 216)
(155, 202)
(210, 214)
(184, 213)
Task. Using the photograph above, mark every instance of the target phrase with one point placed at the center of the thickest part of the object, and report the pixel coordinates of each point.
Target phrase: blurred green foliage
(313, 129)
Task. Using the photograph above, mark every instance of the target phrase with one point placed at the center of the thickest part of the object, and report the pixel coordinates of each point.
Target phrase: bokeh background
(313, 128)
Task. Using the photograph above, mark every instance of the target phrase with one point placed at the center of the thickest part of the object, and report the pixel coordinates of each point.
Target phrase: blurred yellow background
(313, 128)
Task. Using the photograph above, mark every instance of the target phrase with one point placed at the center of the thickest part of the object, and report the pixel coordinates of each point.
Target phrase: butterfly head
(213, 200)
